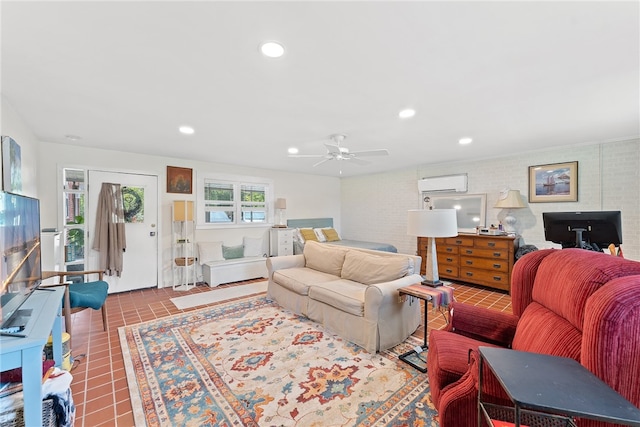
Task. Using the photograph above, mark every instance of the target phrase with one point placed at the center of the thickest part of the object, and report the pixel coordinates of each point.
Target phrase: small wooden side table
(439, 296)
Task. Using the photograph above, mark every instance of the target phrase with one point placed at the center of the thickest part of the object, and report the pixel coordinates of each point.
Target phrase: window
(227, 201)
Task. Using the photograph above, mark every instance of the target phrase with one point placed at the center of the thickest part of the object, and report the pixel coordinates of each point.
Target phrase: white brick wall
(374, 207)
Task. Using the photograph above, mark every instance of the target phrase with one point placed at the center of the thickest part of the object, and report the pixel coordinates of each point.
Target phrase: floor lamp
(432, 223)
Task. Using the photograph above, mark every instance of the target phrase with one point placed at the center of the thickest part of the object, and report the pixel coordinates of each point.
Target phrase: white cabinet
(281, 241)
(183, 248)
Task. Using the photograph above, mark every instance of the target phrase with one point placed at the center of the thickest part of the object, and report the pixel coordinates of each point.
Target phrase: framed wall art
(179, 180)
(11, 165)
(555, 182)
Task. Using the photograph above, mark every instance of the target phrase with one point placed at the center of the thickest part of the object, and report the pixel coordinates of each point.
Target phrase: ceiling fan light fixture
(272, 49)
(407, 113)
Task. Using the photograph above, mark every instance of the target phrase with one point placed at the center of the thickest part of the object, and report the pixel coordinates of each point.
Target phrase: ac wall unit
(443, 184)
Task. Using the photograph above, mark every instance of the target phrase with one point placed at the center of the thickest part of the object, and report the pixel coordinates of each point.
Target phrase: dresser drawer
(483, 263)
(455, 241)
(492, 244)
(449, 250)
(448, 270)
(489, 278)
(447, 259)
(485, 253)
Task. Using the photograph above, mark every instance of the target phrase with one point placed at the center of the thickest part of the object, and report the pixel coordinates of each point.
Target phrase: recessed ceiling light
(187, 130)
(73, 137)
(272, 49)
(293, 150)
(407, 113)
(465, 141)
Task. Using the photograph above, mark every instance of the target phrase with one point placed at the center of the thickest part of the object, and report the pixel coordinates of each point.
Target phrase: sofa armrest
(384, 293)
(482, 324)
(283, 262)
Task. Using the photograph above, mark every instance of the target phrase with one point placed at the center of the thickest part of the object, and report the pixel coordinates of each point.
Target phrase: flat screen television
(20, 267)
(587, 230)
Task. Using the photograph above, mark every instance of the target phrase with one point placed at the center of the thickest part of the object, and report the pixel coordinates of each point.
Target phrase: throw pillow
(371, 269)
(232, 252)
(210, 251)
(331, 234)
(308, 234)
(253, 246)
(320, 235)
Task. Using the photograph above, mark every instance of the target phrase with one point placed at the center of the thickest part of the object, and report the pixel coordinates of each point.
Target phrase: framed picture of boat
(556, 182)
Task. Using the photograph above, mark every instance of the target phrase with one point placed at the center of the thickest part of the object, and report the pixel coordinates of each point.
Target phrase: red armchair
(571, 303)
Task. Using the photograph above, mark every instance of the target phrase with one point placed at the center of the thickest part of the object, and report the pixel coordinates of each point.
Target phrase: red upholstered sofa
(570, 302)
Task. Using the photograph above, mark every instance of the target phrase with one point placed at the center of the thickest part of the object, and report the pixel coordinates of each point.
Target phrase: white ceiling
(514, 76)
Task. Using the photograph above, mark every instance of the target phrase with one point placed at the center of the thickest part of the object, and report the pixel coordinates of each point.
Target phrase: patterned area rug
(249, 362)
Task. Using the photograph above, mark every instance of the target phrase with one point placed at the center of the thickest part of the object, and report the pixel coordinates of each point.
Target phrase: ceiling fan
(336, 151)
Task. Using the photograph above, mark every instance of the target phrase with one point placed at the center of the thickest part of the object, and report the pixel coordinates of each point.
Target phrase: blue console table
(46, 319)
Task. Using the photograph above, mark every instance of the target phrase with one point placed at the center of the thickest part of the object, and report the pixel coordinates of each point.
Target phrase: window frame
(237, 181)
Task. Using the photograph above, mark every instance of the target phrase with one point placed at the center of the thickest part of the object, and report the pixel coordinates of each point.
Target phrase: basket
(527, 417)
(184, 261)
(15, 416)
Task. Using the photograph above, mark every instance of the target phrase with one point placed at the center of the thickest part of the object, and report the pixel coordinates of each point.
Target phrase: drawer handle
(469, 251)
(448, 270)
(497, 254)
(458, 242)
(491, 244)
(449, 249)
(469, 262)
(470, 274)
(449, 259)
(497, 278)
(497, 265)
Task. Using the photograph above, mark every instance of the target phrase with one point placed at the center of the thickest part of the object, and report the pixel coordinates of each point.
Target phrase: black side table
(549, 391)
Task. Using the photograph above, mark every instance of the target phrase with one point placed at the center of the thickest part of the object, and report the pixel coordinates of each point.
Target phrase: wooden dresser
(479, 259)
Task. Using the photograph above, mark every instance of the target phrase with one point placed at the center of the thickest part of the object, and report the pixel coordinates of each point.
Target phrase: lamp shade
(182, 210)
(281, 204)
(512, 201)
(432, 223)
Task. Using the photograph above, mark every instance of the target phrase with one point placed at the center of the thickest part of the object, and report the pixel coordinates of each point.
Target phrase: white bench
(234, 270)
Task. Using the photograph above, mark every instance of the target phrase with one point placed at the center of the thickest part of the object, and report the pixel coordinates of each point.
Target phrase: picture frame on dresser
(470, 209)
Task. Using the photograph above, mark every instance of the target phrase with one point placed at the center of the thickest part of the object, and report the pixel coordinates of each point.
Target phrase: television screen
(587, 230)
(20, 269)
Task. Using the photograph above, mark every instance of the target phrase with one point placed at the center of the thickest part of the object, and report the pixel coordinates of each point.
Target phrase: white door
(140, 259)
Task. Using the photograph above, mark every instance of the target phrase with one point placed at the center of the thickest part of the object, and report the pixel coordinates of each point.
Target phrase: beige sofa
(351, 291)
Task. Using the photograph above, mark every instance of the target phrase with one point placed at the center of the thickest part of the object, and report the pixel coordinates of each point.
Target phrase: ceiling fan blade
(332, 148)
(380, 152)
(358, 161)
(322, 161)
(306, 155)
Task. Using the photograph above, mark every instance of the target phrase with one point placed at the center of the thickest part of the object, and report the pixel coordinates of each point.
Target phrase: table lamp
(280, 206)
(432, 223)
(510, 199)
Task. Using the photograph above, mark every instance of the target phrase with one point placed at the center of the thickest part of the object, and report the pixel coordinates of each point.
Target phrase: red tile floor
(99, 386)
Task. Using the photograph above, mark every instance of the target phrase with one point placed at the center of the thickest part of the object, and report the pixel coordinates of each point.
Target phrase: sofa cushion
(345, 295)
(371, 269)
(299, 279)
(328, 259)
(540, 330)
(209, 251)
(253, 246)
